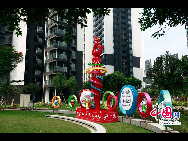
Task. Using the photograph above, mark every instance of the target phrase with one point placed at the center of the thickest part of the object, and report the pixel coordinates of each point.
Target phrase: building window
(8, 40)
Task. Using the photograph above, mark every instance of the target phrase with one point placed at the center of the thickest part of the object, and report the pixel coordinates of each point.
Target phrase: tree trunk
(5, 101)
(61, 96)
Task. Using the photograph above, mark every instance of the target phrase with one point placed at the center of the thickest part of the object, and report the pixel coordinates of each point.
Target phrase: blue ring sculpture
(134, 102)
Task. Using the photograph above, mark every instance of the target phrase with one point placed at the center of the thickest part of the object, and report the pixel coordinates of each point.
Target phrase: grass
(36, 122)
(118, 127)
(122, 127)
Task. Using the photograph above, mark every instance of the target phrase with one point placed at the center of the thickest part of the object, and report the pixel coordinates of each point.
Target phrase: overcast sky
(174, 41)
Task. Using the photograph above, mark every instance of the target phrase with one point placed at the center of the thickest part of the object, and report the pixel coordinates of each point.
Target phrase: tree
(16, 91)
(13, 16)
(72, 83)
(6, 89)
(59, 83)
(164, 16)
(87, 85)
(9, 58)
(168, 73)
(134, 82)
(152, 91)
(31, 88)
(114, 82)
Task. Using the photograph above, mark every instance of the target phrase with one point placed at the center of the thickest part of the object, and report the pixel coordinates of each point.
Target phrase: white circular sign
(126, 98)
(82, 99)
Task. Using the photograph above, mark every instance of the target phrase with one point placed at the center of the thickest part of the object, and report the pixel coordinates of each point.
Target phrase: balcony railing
(38, 72)
(40, 29)
(73, 69)
(57, 68)
(39, 39)
(58, 43)
(60, 56)
(48, 82)
(39, 61)
(54, 30)
(39, 50)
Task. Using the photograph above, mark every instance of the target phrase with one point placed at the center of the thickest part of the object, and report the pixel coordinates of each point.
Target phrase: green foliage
(8, 59)
(87, 85)
(72, 83)
(30, 88)
(6, 88)
(163, 16)
(59, 81)
(13, 16)
(168, 73)
(134, 82)
(114, 82)
(152, 90)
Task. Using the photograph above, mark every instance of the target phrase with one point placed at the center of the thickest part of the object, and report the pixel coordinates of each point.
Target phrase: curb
(149, 125)
(57, 111)
(93, 127)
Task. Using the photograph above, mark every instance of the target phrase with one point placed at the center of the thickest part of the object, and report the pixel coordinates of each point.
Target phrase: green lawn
(119, 127)
(35, 122)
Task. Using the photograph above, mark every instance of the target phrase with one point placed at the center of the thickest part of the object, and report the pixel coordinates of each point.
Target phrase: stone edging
(93, 127)
(155, 127)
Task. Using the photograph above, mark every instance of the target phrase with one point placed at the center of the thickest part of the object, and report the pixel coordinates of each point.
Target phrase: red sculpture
(97, 114)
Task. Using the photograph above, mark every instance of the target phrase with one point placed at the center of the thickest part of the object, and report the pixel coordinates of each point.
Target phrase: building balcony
(47, 82)
(73, 69)
(58, 56)
(57, 69)
(55, 32)
(38, 72)
(57, 43)
(39, 61)
(40, 40)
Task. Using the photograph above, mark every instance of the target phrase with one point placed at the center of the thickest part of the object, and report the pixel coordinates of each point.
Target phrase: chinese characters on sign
(166, 115)
(126, 98)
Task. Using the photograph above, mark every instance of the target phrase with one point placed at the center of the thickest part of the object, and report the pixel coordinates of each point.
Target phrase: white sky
(174, 41)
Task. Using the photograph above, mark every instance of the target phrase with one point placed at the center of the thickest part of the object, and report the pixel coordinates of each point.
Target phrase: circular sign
(128, 99)
(56, 102)
(141, 104)
(82, 98)
(104, 98)
(108, 102)
(69, 101)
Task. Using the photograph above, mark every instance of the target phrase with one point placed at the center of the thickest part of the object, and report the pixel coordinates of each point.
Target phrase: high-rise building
(60, 56)
(45, 54)
(31, 44)
(120, 36)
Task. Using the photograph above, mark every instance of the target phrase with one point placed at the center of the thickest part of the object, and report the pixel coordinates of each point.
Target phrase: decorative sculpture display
(144, 106)
(129, 99)
(91, 111)
(56, 102)
(72, 101)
